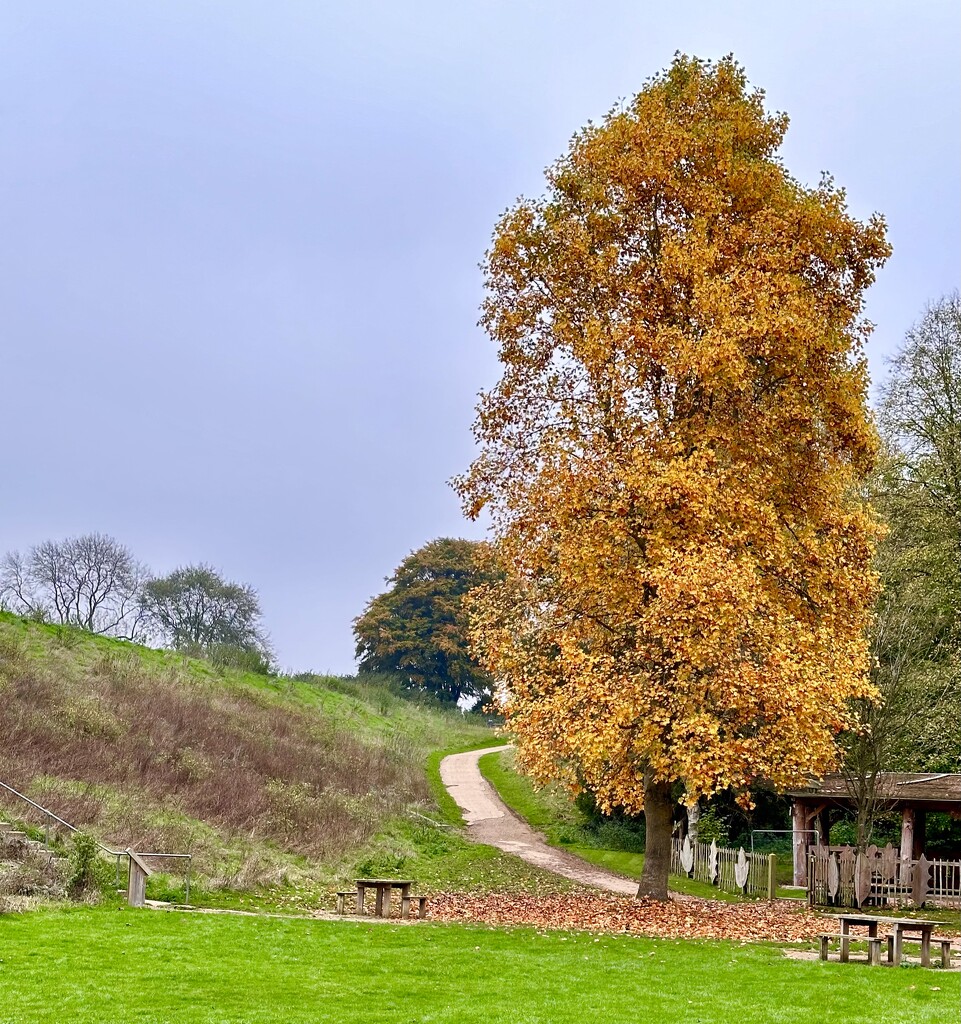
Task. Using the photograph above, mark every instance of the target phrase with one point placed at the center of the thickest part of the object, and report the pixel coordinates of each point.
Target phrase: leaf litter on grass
(681, 917)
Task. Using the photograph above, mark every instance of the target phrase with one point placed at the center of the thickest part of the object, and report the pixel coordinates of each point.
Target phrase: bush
(244, 659)
(617, 831)
(88, 871)
(712, 828)
(621, 834)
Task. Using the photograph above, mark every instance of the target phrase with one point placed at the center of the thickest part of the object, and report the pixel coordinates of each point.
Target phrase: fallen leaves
(682, 917)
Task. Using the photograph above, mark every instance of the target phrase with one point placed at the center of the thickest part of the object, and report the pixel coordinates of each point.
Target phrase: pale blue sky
(239, 284)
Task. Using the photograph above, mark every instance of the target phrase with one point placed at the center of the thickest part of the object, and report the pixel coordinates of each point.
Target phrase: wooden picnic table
(383, 888)
(900, 926)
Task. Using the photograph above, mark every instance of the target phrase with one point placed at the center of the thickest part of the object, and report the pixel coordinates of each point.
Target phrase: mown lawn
(135, 967)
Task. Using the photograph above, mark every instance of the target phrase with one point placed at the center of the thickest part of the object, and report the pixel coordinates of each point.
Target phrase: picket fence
(731, 870)
(841, 876)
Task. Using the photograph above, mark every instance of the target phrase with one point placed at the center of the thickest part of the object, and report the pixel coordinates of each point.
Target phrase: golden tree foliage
(672, 455)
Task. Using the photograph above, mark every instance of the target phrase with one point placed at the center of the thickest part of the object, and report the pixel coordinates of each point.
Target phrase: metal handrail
(117, 854)
(189, 857)
(57, 818)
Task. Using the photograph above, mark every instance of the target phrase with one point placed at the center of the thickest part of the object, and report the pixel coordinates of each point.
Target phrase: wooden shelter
(910, 795)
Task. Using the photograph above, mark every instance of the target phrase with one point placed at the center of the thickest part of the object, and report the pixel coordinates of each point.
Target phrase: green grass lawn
(91, 966)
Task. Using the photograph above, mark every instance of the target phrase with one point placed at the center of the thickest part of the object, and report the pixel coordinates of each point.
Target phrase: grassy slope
(551, 812)
(154, 967)
(271, 783)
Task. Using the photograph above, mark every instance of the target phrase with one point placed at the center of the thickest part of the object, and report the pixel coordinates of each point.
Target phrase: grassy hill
(267, 781)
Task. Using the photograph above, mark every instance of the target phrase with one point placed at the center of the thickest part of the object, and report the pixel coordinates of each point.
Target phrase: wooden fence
(843, 877)
(730, 870)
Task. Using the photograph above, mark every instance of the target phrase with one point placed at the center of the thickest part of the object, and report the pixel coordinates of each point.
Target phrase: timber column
(907, 834)
(798, 825)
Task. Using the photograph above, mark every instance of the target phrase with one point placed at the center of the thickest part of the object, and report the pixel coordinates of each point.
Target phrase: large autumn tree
(671, 459)
(417, 628)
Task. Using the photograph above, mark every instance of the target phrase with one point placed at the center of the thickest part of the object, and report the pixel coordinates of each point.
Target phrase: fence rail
(730, 870)
(842, 876)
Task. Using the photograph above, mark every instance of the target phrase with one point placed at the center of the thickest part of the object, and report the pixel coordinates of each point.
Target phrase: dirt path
(490, 821)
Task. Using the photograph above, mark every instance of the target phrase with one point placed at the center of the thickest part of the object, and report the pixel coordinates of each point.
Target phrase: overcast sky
(239, 280)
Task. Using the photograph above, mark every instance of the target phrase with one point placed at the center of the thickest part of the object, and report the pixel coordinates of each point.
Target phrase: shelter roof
(893, 787)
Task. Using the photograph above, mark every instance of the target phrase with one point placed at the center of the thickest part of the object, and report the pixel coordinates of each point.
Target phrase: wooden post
(798, 824)
(907, 834)
(824, 827)
(920, 827)
(771, 876)
(137, 873)
(925, 947)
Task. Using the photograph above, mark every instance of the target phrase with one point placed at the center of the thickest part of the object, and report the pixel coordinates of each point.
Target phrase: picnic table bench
(900, 928)
(924, 929)
(383, 888)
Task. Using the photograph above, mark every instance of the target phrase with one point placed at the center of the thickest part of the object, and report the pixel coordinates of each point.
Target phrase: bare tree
(92, 582)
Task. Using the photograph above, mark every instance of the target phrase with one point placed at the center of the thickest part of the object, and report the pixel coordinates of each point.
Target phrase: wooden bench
(405, 904)
(945, 945)
(874, 947)
(342, 896)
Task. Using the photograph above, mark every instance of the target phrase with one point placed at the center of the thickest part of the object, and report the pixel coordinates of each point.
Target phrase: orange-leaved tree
(671, 459)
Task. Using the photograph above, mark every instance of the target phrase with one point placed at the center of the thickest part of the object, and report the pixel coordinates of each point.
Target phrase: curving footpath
(491, 821)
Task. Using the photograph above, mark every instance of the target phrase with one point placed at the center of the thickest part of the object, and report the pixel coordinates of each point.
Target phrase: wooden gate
(730, 870)
(841, 876)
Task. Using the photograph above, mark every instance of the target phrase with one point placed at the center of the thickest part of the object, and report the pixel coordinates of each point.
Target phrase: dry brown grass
(26, 872)
(143, 755)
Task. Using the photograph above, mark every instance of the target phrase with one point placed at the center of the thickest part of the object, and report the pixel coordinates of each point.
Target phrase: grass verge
(550, 811)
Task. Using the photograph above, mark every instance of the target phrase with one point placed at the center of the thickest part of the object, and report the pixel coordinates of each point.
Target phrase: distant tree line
(93, 582)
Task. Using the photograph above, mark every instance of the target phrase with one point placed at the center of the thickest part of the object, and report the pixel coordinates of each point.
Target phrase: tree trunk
(658, 816)
(693, 818)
